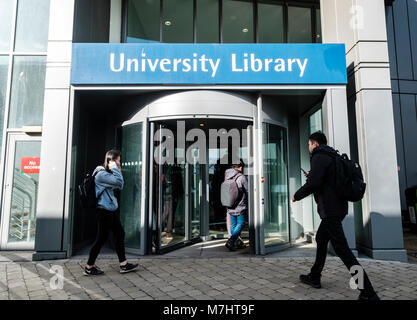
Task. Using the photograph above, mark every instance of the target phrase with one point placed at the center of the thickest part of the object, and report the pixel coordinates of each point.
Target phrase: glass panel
(237, 21)
(318, 26)
(299, 25)
(270, 23)
(28, 86)
(220, 159)
(6, 14)
(196, 176)
(173, 204)
(170, 182)
(316, 122)
(143, 20)
(177, 21)
(217, 169)
(207, 21)
(4, 63)
(32, 25)
(130, 198)
(24, 191)
(275, 185)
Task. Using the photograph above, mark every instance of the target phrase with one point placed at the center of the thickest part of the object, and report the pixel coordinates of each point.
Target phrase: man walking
(237, 213)
(332, 210)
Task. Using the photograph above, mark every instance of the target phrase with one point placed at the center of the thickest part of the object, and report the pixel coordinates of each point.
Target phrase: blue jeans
(236, 225)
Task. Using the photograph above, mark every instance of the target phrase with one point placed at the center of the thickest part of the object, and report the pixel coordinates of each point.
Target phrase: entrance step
(208, 249)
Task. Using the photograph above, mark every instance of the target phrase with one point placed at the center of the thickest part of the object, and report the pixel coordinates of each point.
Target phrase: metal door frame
(12, 139)
(204, 212)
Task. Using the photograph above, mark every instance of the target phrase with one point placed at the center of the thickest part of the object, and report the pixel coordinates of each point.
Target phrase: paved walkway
(228, 277)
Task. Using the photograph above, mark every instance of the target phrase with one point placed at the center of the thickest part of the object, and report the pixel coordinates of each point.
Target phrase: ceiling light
(168, 23)
(245, 30)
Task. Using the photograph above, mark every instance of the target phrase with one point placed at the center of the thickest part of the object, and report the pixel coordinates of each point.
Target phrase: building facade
(165, 81)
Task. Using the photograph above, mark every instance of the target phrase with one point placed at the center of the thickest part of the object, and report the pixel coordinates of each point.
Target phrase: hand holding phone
(304, 172)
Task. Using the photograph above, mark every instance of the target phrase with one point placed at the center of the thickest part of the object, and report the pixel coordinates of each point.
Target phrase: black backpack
(349, 178)
(87, 192)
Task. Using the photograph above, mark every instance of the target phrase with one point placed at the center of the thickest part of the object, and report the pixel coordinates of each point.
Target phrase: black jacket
(321, 181)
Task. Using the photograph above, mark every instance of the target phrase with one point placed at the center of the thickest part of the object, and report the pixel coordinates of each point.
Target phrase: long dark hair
(111, 155)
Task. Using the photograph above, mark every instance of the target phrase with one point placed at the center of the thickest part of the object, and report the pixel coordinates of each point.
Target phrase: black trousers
(331, 229)
(108, 221)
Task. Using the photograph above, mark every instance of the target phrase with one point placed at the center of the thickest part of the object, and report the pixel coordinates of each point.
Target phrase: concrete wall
(50, 211)
(360, 24)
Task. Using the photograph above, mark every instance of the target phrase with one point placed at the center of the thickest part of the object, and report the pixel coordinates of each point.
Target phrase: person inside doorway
(173, 191)
(321, 181)
(108, 179)
(238, 211)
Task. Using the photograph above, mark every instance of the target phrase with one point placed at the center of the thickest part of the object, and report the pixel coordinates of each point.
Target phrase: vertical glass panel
(143, 20)
(316, 122)
(32, 25)
(6, 14)
(130, 198)
(299, 25)
(24, 191)
(318, 27)
(173, 204)
(207, 21)
(270, 23)
(172, 186)
(4, 63)
(217, 168)
(28, 86)
(237, 21)
(275, 185)
(196, 176)
(177, 21)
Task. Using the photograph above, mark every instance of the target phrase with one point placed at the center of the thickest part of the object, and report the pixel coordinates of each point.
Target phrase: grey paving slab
(274, 277)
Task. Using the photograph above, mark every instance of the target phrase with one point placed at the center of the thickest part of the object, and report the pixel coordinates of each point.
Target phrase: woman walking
(108, 178)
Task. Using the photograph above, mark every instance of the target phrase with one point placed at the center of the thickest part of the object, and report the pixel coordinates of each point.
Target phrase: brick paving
(233, 278)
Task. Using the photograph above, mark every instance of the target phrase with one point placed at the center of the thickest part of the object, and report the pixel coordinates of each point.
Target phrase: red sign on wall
(30, 164)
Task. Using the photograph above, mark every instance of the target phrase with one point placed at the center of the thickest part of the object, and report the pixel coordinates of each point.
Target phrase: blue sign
(157, 63)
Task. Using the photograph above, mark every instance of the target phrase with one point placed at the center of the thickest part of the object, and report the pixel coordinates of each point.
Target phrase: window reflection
(131, 195)
(276, 229)
(143, 20)
(32, 25)
(6, 12)
(299, 25)
(207, 21)
(4, 63)
(226, 21)
(28, 81)
(237, 21)
(270, 23)
(177, 21)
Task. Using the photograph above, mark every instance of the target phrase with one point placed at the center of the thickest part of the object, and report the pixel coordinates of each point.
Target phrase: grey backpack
(230, 192)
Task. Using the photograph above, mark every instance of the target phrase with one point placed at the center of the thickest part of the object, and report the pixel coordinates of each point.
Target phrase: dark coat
(321, 181)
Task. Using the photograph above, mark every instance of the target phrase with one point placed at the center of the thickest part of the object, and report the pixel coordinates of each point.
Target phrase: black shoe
(94, 271)
(308, 279)
(240, 244)
(128, 267)
(230, 245)
(370, 297)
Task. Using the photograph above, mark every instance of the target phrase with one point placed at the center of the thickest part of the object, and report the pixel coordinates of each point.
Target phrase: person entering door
(240, 208)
